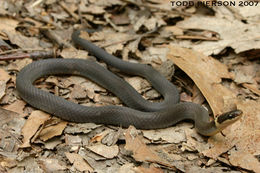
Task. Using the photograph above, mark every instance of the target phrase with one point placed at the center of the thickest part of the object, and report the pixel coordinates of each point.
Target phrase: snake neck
(201, 118)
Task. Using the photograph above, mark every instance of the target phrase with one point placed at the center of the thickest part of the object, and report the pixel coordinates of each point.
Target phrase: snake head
(228, 118)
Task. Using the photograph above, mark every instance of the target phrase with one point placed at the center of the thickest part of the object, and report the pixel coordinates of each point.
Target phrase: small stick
(33, 55)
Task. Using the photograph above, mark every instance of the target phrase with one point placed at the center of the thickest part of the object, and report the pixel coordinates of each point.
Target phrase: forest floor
(210, 52)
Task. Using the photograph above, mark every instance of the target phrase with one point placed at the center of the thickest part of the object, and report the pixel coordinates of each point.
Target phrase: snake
(136, 111)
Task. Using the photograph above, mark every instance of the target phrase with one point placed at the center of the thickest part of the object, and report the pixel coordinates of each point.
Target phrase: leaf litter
(220, 70)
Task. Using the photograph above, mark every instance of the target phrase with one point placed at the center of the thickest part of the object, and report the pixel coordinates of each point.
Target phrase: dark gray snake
(140, 113)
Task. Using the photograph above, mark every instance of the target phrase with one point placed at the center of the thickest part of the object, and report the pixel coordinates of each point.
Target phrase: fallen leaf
(17, 65)
(242, 38)
(17, 107)
(207, 74)
(170, 135)
(141, 152)
(34, 122)
(53, 130)
(74, 53)
(78, 92)
(78, 162)
(73, 140)
(51, 165)
(105, 151)
(245, 160)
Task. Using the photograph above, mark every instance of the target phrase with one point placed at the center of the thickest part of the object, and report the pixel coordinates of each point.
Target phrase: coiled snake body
(140, 113)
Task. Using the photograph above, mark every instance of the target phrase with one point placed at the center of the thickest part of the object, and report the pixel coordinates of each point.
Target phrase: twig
(19, 50)
(33, 55)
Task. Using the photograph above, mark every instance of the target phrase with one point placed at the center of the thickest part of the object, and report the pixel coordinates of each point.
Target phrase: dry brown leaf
(51, 131)
(169, 135)
(8, 26)
(207, 74)
(51, 165)
(100, 136)
(105, 151)
(6, 116)
(19, 64)
(17, 106)
(138, 83)
(73, 140)
(78, 92)
(141, 152)
(155, 54)
(78, 162)
(71, 52)
(34, 122)
(245, 160)
(242, 38)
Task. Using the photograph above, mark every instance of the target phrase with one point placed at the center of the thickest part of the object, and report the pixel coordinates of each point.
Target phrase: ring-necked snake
(140, 113)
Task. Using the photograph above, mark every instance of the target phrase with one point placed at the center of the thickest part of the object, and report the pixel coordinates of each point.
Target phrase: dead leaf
(245, 160)
(78, 92)
(17, 106)
(170, 135)
(53, 130)
(51, 165)
(19, 64)
(73, 140)
(155, 54)
(138, 83)
(105, 151)
(242, 38)
(207, 74)
(71, 52)
(141, 152)
(32, 125)
(78, 162)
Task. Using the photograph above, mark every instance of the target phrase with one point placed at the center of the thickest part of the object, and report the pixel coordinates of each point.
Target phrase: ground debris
(211, 53)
